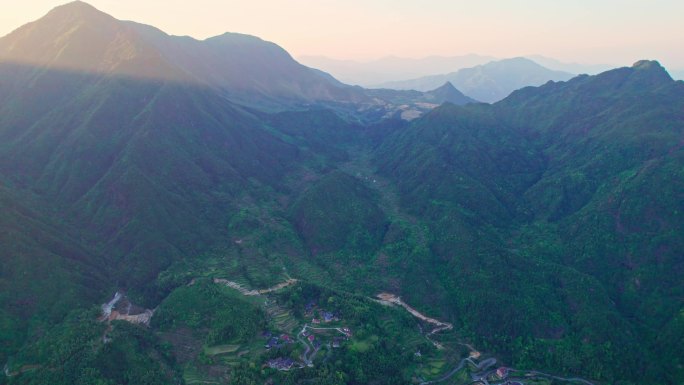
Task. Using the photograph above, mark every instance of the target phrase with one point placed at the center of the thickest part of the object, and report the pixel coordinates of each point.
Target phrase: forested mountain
(582, 180)
(144, 166)
(242, 197)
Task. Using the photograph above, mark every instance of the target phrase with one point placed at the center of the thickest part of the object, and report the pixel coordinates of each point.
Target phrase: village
(322, 331)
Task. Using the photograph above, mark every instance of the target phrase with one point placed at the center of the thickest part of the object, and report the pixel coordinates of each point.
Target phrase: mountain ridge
(88, 40)
(243, 68)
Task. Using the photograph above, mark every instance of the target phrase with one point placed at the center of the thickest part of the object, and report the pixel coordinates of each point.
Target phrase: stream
(107, 307)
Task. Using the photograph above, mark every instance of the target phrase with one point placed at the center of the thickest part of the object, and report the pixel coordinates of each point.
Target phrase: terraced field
(220, 349)
(282, 318)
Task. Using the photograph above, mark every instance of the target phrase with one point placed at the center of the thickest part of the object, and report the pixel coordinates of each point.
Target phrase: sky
(583, 31)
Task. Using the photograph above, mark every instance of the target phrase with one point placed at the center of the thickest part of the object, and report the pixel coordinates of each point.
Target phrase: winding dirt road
(393, 299)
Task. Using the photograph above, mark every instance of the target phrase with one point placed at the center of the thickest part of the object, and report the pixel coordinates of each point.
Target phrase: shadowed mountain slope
(77, 37)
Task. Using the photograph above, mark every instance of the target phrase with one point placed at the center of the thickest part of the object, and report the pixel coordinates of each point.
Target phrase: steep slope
(489, 82)
(339, 213)
(152, 166)
(44, 273)
(582, 179)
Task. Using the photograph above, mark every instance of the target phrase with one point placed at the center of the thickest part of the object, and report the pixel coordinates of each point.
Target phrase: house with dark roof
(309, 307)
(328, 316)
(273, 342)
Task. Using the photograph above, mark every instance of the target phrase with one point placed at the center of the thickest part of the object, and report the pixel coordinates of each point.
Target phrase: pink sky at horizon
(598, 31)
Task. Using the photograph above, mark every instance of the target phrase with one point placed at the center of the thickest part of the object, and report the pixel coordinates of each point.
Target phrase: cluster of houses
(318, 316)
(273, 341)
(323, 315)
(316, 343)
(336, 341)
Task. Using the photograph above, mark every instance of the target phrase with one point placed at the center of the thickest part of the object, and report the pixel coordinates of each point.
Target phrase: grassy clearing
(221, 349)
(359, 346)
(193, 376)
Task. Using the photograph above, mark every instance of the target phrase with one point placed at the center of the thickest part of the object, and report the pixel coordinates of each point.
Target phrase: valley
(246, 219)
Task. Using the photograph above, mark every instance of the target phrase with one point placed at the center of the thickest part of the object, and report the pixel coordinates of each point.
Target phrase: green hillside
(45, 272)
(571, 185)
(545, 230)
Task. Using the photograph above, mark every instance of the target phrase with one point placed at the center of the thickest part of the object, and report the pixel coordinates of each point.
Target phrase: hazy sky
(588, 31)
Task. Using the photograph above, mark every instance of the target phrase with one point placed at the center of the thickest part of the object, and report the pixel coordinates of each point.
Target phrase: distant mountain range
(574, 68)
(489, 82)
(391, 68)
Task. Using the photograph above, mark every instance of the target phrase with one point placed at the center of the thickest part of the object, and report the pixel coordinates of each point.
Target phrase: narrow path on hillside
(244, 291)
(391, 298)
(571, 379)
